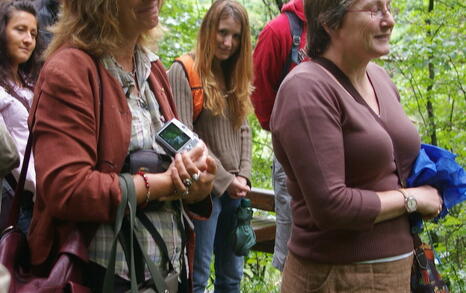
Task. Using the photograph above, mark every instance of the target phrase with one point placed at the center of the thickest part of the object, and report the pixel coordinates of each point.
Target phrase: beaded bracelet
(146, 183)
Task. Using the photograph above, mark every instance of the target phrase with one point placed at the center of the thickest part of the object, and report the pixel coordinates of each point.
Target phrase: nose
(28, 38)
(227, 41)
(387, 19)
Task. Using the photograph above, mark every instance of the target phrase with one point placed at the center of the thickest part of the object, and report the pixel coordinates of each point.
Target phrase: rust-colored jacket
(77, 167)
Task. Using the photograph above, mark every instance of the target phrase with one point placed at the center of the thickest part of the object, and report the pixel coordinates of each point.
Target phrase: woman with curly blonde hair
(100, 99)
(222, 59)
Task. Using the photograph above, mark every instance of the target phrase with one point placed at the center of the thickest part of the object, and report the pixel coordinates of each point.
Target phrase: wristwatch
(410, 201)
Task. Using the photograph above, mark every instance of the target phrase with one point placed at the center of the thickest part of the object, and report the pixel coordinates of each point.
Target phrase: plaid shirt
(146, 120)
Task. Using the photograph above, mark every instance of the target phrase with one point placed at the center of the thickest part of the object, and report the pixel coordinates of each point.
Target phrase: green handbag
(243, 235)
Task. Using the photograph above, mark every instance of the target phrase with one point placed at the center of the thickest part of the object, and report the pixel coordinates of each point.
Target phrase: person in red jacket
(271, 64)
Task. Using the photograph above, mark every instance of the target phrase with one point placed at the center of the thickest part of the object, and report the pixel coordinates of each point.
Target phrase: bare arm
(169, 184)
(429, 202)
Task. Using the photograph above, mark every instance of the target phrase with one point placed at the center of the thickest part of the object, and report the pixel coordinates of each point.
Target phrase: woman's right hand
(429, 201)
(192, 174)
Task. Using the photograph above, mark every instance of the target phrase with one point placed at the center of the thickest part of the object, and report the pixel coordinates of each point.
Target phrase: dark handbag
(424, 275)
(65, 274)
(147, 161)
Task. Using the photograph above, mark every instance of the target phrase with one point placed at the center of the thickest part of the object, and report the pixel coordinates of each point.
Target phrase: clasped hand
(238, 188)
(193, 173)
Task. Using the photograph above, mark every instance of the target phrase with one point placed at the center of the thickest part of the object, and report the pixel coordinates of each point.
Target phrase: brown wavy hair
(237, 69)
(94, 26)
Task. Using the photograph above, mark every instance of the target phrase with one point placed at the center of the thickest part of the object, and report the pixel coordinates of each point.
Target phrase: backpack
(296, 29)
(187, 62)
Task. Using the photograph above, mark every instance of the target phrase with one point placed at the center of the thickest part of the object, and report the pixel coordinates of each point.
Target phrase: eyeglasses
(376, 12)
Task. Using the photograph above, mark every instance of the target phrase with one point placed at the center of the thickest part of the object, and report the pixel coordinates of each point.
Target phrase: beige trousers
(304, 276)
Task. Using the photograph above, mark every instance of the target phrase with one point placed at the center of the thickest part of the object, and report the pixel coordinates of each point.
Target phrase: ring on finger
(183, 194)
(187, 182)
(196, 176)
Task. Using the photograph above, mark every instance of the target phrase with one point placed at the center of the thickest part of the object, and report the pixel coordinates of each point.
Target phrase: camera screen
(174, 136)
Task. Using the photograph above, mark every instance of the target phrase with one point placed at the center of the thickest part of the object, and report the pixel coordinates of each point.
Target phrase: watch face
(411, 204)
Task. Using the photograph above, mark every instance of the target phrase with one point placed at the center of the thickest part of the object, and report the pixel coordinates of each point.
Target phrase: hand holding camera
(192, 170)
(192, 176)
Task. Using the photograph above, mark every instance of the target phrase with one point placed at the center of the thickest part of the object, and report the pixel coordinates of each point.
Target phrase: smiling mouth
(151, 8)
(383, 37)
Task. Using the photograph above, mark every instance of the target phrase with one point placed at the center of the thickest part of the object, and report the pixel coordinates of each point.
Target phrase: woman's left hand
(193, 175)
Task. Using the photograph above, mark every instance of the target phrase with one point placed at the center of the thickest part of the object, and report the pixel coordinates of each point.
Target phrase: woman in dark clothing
(347, 148)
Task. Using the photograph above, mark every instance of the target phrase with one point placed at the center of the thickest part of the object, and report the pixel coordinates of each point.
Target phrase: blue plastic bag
(437, 167)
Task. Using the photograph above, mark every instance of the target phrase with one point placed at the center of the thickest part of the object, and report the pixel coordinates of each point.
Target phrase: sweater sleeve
(309, 142)
(15, 116)
(246, 145)
(184, 105)
(181, 94)
(65, 146)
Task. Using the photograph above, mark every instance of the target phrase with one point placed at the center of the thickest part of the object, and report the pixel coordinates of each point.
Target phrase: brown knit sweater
(337, 153)
(231, 147)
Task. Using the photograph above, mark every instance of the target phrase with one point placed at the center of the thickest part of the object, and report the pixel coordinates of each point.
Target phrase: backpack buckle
(296, 40)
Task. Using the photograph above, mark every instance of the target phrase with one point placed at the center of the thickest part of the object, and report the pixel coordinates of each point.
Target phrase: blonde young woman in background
(223, 61)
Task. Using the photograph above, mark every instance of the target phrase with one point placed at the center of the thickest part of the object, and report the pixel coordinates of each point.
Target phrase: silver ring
(187, 182)
(196, 176)
(183, 194)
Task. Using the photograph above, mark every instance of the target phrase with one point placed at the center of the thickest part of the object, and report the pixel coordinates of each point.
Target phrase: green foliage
(181, 20)
(428, 65)
(259, 276)
(448, 239)
(261, 155)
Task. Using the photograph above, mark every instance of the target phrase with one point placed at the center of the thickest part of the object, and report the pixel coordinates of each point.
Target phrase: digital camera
(175, 137)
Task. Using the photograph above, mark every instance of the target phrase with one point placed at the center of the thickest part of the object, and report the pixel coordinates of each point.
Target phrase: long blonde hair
(93, 26)
(237, 69)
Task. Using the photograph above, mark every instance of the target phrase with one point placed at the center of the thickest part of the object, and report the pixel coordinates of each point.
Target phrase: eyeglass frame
(382, 12)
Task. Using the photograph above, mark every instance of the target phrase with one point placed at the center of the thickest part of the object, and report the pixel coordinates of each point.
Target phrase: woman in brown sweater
(223, 60)
(347, 147)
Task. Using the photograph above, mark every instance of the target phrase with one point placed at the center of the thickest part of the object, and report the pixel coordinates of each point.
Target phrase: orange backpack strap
(195, 83)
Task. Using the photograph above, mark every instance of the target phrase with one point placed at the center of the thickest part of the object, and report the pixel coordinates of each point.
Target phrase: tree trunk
(279, 4)
(431, 67)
